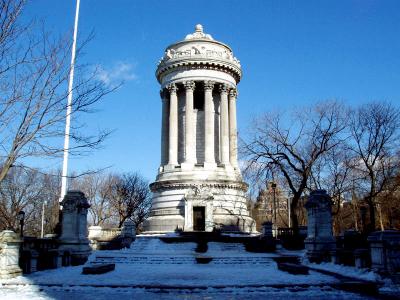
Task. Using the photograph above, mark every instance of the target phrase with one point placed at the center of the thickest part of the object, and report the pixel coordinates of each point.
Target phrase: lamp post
(42, 232)
(273, 186)
(21, 218)
(288, 212)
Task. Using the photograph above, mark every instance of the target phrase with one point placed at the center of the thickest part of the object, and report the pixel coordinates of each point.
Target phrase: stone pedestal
(320, 241)
(74, 227)
(9, 254)
(385, 251)
(361, 258)
(128, 233)
(95, 233)
(267, 230)
(29, 261)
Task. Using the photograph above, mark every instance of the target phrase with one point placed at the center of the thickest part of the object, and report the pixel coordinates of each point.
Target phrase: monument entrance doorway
(199, 218)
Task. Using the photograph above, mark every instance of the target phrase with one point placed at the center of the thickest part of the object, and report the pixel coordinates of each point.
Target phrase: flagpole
(64, 178)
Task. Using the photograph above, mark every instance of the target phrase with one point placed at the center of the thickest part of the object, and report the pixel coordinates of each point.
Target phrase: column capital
(189, 85)
(233, 93)
(172, 88)
(209, 85)
(223, 88)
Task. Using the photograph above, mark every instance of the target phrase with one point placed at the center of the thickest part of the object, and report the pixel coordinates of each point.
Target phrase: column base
(210, 165)
(187, 166)
(228, 167)
(169, 167)
(235, 166)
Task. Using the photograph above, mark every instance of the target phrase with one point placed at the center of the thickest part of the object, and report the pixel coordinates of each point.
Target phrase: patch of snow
(349, 271)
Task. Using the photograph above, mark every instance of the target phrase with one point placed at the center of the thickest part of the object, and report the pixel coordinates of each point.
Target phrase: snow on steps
(151, 251)
(179, 260)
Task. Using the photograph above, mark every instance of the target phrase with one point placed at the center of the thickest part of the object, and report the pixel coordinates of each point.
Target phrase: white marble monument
(199, 186)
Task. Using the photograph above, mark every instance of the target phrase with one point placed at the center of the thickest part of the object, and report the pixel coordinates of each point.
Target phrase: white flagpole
(64, 178)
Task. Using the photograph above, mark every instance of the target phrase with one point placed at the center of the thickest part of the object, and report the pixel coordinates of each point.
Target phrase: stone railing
(385, 251)
(112, 238)
(33, 254)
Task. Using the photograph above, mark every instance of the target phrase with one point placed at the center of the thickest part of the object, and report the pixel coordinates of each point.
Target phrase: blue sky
(293, 53)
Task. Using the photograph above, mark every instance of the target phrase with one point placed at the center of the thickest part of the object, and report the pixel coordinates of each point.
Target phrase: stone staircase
(179, 260)
(153, 251)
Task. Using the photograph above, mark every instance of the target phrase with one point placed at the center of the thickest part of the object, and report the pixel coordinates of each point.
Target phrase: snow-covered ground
(152, 268)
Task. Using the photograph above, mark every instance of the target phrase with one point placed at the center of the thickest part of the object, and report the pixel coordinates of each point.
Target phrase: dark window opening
(199, 218)
(198, 99)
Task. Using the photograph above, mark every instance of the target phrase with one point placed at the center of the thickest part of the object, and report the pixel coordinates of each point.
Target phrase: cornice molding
(178, 185)
(185, 65)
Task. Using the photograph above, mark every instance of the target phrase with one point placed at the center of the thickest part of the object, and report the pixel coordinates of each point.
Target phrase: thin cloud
(120, 72)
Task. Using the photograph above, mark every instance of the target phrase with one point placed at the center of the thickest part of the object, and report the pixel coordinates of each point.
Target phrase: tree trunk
(371, 207)
(293, 215)
(380, 217)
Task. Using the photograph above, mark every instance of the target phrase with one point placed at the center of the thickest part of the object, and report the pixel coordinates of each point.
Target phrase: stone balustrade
(112, 238)
(385, 251)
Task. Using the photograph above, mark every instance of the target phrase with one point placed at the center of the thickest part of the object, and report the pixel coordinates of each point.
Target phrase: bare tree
(374, 129)
(334, 173)
(26, 189)
(292, 147)
(18, 192)
(34, 72)
(390, 200)
(98, 188)
(130, 198)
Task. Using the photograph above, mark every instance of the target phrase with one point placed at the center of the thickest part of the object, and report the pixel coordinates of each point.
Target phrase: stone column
(190, 151)
(164, 127)
(173, 126)
(209, 156)
(224, 140)
(232, 128)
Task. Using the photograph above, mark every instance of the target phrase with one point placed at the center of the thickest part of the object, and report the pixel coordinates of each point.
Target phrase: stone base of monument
(79, 252)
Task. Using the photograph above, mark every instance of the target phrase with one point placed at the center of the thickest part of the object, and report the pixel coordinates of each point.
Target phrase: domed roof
(199, 49)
